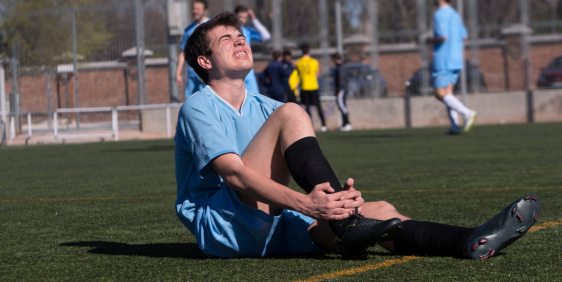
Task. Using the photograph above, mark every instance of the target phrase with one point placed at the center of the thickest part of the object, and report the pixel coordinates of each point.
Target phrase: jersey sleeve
(186, 35)
(254, 35)
(464, 33)
(200, 132)
(315, 68)
(441, 25)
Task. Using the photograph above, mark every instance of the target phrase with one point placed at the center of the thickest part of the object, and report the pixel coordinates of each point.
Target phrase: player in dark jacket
(340, 83)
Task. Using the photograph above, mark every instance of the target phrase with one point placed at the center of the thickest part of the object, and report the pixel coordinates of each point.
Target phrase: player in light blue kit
(193, 82)
(236, 151)
(259, 34)
(449, 33)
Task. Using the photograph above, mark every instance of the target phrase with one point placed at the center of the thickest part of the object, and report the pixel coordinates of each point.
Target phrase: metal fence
(121, 53)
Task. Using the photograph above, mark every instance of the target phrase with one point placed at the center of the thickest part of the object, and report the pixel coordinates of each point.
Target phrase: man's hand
(348, 186)
(331, 207)
(251, 14)
(179, 80)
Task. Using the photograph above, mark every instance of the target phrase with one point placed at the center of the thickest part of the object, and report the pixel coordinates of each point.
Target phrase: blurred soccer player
(236, 151)
(308, 73)
(340, 83)
(259, 34)
(288, 68)
(194, 83)
(274, 73)
(449, 33)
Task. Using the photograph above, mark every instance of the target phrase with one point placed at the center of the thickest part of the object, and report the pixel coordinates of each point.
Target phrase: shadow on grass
(147, 149)
(156, 250)
(179, 250)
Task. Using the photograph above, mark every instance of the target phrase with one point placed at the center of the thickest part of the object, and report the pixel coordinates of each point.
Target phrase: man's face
(197, 10)
(243, 17)
(287, 58)
(231, 57)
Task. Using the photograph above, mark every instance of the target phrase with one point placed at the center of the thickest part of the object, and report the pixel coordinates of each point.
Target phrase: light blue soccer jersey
(193, 82)
(448, 55)
(251, 35)
(208, 127)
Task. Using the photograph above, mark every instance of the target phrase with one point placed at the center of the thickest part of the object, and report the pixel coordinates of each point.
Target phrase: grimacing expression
(197, 11)
(231, 54)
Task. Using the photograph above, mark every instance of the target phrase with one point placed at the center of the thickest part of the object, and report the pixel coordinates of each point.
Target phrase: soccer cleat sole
(505, 228)
(386, 234)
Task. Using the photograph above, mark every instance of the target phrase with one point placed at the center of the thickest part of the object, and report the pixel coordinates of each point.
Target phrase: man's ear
(204, 62)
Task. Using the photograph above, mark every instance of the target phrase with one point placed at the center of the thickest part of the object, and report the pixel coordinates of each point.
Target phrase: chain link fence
(118, 53)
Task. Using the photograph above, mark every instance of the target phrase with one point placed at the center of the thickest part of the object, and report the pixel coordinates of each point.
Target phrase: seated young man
(236, 151)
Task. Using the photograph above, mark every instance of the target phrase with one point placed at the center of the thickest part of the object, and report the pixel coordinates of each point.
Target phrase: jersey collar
(236, 111)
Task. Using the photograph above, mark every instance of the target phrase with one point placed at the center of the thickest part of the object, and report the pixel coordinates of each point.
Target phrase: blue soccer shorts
(228, 228)
(442, 79)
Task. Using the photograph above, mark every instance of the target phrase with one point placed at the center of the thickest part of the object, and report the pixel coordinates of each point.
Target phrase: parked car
(551, 76)
(360, 80)
(413, 84)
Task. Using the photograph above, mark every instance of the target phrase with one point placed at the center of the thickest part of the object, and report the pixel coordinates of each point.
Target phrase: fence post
(115, 123)
(49, 107)
(168, 121)
(3, 108)
(12, 129)
(474, 46)
(323, 15)
(29, 125)
(407, 111)
(277, 25)
(421, 22)
(172, 64)
(524, 19)
(55, 127)
(75, 67)
(460, 10)
(374, 50)
(339, 27)
(139, 38)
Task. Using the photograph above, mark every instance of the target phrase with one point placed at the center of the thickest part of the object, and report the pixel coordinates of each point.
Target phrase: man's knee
(386, 206)
(291, 110)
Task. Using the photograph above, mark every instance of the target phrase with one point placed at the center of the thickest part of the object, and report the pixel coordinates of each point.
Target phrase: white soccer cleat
(347, 127)
(469, 121)
(324, 129)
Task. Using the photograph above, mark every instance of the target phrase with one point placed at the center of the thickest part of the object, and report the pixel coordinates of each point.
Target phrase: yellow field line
(86, 199)
(545, 225)
(388, 263)
(359, 269)
(459, 189)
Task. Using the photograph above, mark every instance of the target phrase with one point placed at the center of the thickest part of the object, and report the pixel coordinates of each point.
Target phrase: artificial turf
(105, 211)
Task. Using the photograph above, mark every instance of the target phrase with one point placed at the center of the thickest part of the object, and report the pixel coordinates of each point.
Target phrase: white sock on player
(454, 119)
(452, 102)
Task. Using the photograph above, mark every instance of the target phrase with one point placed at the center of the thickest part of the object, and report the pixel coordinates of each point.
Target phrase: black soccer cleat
(363, 233)
(504, 228)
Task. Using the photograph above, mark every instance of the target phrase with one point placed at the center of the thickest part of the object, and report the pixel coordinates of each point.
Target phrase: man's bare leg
(284, 126)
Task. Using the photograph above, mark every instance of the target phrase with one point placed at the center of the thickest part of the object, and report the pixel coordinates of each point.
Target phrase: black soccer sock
(309, 167)
(424, 238)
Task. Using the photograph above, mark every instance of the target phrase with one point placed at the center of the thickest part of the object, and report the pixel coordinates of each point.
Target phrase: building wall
(502, 69)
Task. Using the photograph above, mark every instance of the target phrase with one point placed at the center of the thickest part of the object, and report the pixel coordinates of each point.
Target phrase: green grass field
(105, 211)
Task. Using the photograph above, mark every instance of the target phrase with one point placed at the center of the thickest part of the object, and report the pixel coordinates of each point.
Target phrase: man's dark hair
(275, 54)
(204, 2)
(448, 1)
(287, 52)
(304, 48)
(240, 9)
(198, 43)
(336, 56)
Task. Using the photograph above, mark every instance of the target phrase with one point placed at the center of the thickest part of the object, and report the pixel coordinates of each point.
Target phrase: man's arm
(318, 204)
(264, 33)
(179, 68)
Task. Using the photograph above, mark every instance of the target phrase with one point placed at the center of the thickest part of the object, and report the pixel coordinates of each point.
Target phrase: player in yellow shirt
(308, 70)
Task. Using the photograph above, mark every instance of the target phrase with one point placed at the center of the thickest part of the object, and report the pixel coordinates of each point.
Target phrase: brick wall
(108, 88)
